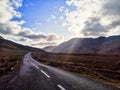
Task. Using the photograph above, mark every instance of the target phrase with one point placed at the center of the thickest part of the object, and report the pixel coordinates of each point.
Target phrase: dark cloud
(32, 36)
(112, 7)
(94, 28)
(24, 34)
(52, 37)
(39, 36)
(114, 24)
(5, 29)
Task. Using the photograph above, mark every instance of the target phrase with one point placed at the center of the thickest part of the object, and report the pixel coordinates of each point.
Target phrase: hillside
(101, 45)
(7, 46)
(104, 68)
(11, 55)
(49, 48)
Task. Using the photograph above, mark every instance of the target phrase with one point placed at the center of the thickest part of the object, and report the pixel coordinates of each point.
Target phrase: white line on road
(35, 65)
(62, 88)
(32, 63)
(45, 74)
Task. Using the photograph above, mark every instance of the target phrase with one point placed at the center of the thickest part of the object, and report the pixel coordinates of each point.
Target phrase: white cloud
(10, 27)
(40, 39)
(53, 16)
(13, 30)
(22, 22)
(61, 17)
(64, 24)
(80, 22)
(61, 9)
(16, 3)
(7, 11)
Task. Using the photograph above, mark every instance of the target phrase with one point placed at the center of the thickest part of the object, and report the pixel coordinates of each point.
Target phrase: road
(34, 75)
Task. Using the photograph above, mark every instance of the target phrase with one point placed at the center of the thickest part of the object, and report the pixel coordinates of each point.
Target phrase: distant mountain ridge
(101, 45)
(9, 47)
(49, 48)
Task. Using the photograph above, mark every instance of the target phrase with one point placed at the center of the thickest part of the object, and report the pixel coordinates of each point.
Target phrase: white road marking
(45, 74)
(35, 65)
(62, 88)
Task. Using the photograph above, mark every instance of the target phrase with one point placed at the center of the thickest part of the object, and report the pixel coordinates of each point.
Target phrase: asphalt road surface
(36, 76)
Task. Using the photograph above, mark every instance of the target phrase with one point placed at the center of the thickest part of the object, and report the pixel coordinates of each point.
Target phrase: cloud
(95, 29)
(7, 10)
(27, 33)
(39, 39)
(43, 44)
(22, 39)
(93, 18)
(112, 7)
(54, 37)
(7, 13)
(31, 35)
(11, 27)
(114, 24)
(61, 9)
(53, 16)
(16, 3)
(14, 30)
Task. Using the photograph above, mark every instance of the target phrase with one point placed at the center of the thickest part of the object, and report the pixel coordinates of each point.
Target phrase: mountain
(49, 48)
(7, 46)
(101, 45)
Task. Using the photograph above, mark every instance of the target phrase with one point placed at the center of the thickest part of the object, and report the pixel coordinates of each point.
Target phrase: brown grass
(104, 68)
(10, 62)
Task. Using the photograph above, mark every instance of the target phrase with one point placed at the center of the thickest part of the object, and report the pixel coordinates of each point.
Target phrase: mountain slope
(49, 48)
(7, 46)
(101, 45)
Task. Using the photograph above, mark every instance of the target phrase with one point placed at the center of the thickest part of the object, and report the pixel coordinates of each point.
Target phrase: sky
(41, 23)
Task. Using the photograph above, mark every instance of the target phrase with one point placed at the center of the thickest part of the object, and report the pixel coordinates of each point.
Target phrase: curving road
(36, 76)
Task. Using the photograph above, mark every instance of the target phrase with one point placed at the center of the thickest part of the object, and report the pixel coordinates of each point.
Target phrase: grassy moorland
(105, 68)
(10, 62)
